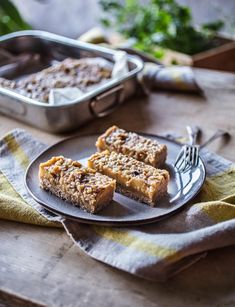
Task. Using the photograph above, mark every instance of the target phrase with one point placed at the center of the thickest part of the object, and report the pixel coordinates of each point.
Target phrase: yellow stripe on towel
(16, 150)
(218, 187)
(219, 211)
(126, 239)
(217, 196)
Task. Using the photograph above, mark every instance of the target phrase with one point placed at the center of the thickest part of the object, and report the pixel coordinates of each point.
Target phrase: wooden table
(42, 266)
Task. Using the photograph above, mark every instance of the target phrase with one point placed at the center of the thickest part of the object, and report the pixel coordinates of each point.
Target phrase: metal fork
(219, 133)
(193, 134)
(189, 154)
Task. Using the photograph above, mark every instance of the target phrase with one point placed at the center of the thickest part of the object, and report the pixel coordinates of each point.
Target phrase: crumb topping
(130, 143)
(128, 168)
(75, 179)
(68, 73)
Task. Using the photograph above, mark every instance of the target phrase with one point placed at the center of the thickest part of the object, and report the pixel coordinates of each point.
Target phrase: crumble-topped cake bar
(134, 178)
(133, 145)
(80, 185)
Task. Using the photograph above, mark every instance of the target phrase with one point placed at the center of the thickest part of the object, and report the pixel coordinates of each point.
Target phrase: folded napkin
(155, 251)
(155, 75)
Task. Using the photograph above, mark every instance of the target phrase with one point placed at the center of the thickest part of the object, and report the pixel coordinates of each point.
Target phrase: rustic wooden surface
(41, 266)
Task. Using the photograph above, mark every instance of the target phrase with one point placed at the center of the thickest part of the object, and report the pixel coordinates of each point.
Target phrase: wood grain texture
(8, 299)
(43, 265)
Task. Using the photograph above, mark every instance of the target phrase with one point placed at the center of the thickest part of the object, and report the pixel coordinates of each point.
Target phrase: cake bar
(136, 146)
(80, 185)
(134, 179)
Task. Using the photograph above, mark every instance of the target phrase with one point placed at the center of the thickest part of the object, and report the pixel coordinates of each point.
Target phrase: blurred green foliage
(159, 22)
(10, 19)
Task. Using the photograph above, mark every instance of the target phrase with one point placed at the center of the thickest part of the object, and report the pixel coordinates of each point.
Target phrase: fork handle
(193, 133)
(217, 134)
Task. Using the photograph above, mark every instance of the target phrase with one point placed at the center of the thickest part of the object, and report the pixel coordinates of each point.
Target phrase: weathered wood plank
(75, 279)
(9, 299)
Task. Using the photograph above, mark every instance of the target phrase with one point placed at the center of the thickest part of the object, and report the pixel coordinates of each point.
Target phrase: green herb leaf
(162, 22)
(10, 19)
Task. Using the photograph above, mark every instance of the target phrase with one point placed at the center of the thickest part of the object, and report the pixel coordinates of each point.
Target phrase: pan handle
(106, 102)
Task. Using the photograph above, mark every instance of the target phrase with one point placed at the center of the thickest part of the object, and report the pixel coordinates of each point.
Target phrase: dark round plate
(123, 210)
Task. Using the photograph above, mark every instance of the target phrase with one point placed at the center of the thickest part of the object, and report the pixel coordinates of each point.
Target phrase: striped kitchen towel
(156, 251)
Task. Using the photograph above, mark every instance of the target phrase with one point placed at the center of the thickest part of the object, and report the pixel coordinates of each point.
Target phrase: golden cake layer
(134, 178)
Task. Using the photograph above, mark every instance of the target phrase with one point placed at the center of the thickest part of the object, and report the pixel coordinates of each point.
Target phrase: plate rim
(110, 223)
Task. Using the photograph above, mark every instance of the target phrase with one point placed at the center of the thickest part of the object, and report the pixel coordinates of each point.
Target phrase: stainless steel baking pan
(96, 103)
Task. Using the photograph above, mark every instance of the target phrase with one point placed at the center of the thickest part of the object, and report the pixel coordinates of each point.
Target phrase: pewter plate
(122, 211)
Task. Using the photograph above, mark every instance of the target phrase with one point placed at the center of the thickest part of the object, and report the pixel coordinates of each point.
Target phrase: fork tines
(187, 158)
